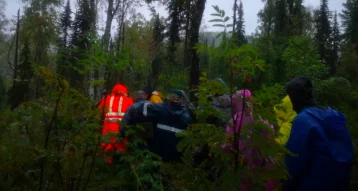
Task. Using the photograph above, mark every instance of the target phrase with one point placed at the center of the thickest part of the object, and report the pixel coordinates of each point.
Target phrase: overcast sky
(251, 8)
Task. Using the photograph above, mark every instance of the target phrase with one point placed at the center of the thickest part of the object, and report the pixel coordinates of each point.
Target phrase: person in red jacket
(114, 107)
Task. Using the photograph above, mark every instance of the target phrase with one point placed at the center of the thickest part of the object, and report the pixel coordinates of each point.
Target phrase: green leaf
(226, 19)
(219, 25)
(216, 8)
(215, 14)
(222, 13)
(229, 25)
(216, 20)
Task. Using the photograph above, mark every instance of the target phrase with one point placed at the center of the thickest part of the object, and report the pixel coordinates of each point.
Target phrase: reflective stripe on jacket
(115, 109)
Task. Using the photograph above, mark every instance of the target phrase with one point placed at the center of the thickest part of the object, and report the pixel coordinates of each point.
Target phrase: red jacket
(115, 105)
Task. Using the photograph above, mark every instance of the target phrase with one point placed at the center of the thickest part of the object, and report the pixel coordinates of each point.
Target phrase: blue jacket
(170, 119)
(134, 113)
(324, 147)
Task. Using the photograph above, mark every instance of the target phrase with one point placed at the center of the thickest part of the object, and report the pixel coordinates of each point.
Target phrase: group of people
(162, 119)
(317, 136)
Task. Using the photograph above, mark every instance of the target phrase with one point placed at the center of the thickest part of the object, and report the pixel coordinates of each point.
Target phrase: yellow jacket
(284, 115)
(156, 97)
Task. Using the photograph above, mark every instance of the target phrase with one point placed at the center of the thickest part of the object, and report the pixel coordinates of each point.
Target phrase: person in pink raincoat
(242, 116)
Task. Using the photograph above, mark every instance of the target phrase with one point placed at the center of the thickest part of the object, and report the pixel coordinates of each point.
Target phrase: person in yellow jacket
(284, 115)
(156, 97)
(152, 96)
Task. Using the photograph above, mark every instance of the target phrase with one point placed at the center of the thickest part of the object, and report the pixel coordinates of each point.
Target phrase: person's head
(119, 89)
(175, 96)
(237, 100)
(300, 91)
(140, 95)
(148, 91)
(104, 93)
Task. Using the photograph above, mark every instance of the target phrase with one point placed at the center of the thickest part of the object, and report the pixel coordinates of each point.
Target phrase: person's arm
(187, 118)
(151, 111)
(284, 133)
(299, 145)
(127, 118)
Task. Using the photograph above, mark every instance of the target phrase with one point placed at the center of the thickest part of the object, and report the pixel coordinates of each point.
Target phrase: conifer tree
(158, 38)
(349, 21)
(65, 26)
(323, 31)
(280, 22)
(83, 28)
(239, 33)
(267, 18)
(25, 69)
(336, 41)
(175, 10)
(66, 23)
(158, 31)
(295, 17)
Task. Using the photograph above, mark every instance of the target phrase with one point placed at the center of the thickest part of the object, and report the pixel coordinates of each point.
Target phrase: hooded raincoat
(115, 105)
(156, 97)
(169, 117)
(250, 155)
(324, 147)
(284, 115)
(320, 142)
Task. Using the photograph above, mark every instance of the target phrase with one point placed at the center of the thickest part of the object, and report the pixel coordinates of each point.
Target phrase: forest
(54, 65)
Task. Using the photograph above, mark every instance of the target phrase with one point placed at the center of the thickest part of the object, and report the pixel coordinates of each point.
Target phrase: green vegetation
(54, 64)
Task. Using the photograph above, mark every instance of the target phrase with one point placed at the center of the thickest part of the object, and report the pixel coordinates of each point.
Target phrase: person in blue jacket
(320, 143)
(169, 117)
(134, 116)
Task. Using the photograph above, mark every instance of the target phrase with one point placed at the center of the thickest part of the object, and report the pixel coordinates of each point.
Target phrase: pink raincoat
(251, 155)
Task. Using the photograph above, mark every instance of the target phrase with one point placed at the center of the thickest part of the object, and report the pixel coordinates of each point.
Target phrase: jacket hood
(300, 91)
(237, 100)
(156, 97)
(336, 131)
(284, 111)
(120, 89)
(157, 93)
(222, 101)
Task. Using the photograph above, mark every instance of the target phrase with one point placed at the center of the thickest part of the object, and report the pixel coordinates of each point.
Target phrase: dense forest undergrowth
(54, 64)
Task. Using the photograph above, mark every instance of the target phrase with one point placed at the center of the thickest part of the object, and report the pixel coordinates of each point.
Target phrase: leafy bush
(302, 59)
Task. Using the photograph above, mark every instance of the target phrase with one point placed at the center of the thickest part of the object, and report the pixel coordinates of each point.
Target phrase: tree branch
(48, 134)
(82, 168)
(92, 164)
(116, 8)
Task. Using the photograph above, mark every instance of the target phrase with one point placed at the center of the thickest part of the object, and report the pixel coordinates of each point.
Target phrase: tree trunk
(194, 39)
(103, 73)
(15, 94)
(186, 32)
(107, 31)
(234, 22)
